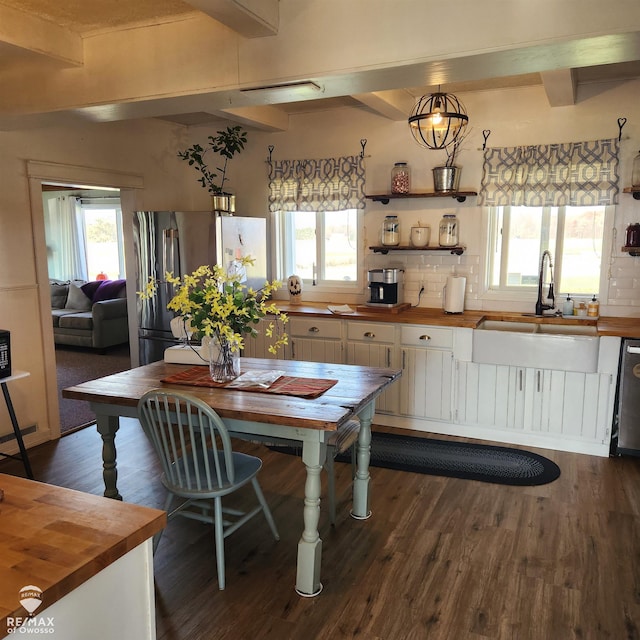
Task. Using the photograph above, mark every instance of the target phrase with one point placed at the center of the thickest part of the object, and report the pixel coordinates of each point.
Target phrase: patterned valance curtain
(328, 184)
(553, 175)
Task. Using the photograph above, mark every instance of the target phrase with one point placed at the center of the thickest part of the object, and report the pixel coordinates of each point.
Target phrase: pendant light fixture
(437, 120)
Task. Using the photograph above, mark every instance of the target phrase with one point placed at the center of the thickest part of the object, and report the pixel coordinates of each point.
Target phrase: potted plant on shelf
(227, 143)
(446, 178)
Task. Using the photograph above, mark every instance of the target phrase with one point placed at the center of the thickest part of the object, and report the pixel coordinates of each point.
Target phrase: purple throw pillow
(89, 288)
(108, 290)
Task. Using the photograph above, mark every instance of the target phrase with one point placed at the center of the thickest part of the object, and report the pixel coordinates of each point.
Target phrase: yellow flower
(219, 305)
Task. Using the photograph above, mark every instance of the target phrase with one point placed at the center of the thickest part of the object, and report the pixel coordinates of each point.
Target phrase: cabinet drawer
(371, 331)
(315, 328)
(433, 337)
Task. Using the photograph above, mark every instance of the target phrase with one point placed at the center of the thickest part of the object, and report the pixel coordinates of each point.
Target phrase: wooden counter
(607, 326)
(57, 539)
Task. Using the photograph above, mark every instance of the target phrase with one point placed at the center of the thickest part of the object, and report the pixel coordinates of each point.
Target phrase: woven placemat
(284, 385)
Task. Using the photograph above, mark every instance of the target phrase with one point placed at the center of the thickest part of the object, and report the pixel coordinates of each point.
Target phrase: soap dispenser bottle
(593, 308)
(567, 306)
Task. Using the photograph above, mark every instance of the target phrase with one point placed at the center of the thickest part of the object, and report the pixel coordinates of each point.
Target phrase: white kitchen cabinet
(258, 347)
(373, 345)
(548, 404)
(316, 340)
(427, 372)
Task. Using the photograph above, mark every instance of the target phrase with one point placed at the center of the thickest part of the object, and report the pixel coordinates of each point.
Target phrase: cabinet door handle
(368, 334)
(520, 378)
(388, 356)
(313, 330)
(293, 349)
(404, 358)
(424, 337)
(538, 377)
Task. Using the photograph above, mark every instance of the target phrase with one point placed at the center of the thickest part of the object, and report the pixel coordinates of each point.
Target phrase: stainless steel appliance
(385, 287)
(179, 242)
(628, 413)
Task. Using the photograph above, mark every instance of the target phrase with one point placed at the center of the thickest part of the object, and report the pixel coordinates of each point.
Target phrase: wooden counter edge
(617, 326)
(149, 521)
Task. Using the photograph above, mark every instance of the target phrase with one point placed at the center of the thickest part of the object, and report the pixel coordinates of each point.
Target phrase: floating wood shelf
(460, 196)
(458, 251)
(634, 191)
(632, 251)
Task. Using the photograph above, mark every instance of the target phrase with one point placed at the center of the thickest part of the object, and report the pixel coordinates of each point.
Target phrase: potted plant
(446, 178)
(227, 143)
(218, 307)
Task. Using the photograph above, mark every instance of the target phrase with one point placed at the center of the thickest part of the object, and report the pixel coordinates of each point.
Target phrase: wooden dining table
(309, 420)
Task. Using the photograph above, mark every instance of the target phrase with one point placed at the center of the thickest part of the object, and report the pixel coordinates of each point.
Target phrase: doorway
(83, 232)
(67, 177)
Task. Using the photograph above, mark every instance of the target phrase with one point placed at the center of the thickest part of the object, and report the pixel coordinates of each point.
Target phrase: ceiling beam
(249, 18)
(560, 87)
(394, 105)
(39, 36)
(264, 118)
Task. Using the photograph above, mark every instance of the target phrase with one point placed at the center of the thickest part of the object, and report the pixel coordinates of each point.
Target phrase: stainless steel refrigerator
(179, 242)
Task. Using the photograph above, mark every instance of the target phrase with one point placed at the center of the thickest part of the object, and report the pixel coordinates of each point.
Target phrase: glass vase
(224, 362)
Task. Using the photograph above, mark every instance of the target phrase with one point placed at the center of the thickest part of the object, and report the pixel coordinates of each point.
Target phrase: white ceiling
(73, 20)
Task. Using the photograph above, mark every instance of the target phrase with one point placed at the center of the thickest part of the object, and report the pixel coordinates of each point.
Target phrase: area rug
(486, 463)
(75, 365)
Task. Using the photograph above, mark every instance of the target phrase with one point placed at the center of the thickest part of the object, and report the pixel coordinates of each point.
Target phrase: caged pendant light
(437, 120)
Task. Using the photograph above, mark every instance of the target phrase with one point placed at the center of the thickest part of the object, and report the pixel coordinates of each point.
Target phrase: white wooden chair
(199, 465)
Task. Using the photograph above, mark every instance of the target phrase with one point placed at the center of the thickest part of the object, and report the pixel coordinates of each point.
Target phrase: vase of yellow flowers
(221, 311)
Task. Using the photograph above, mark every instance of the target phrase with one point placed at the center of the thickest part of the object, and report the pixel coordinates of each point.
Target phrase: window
(84, 238)
(320, 247)
(575, 236)
(103, 239)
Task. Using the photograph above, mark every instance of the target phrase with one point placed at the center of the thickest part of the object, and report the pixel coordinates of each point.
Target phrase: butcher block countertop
(56, 539)
(607, 326)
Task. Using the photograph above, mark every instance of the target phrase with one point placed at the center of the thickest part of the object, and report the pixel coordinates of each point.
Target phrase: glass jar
(390, 231)
(632, 235)
(635, 173)
(400, 178)
(448, 236)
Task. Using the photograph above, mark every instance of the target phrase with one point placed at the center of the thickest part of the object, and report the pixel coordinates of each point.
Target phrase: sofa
(89, 314)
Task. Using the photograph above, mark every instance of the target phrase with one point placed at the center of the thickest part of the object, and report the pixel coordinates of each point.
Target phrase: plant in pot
(446, 178)
(227, 143)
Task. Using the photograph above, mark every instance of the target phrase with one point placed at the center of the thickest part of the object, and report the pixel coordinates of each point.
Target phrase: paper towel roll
(453, 294)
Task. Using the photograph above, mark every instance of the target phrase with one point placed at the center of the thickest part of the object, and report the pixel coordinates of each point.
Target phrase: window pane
(573, 235)
(340, 245)
(304, 241)
(524, 239)
(102, 243)
(582, 252)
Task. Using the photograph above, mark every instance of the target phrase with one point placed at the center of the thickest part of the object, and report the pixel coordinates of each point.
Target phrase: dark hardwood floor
(440, 558)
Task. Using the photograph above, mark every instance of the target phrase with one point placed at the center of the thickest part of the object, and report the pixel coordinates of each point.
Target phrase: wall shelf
(458, 251)
(634, 191)
(632, 251)
(460, 196)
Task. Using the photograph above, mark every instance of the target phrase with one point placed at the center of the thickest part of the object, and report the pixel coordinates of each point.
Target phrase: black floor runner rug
(487, 463)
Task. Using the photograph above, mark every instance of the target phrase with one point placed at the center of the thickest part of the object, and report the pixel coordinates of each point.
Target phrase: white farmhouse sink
(541, 346)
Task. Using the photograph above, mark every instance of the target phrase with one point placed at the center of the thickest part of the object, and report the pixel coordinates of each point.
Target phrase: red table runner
(284, 385)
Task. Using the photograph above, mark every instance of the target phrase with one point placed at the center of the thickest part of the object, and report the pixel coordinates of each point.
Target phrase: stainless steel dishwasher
(629, 399)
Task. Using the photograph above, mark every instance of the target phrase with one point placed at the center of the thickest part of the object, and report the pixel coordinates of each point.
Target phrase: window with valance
(315, 204)
(554, 197)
